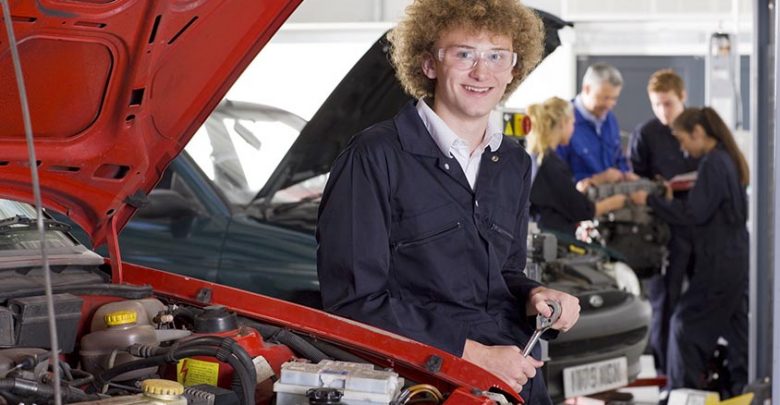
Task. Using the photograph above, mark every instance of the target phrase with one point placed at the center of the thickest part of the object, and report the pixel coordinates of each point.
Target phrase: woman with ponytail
(715, 304)
(555, 201)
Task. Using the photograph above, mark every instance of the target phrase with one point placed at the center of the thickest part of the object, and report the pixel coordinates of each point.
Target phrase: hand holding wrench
(543, 323)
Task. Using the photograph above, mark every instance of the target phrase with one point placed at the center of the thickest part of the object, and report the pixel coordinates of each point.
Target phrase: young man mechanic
(595, 153)
(423, 222)
(655, 152)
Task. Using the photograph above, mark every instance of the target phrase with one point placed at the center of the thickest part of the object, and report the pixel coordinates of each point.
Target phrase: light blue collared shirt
(452, 145)
(597, 122)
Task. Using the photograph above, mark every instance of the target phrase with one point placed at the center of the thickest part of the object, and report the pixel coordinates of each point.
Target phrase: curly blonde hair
(427, 20)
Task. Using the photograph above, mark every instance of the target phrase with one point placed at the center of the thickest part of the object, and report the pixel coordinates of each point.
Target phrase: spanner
(543, 323)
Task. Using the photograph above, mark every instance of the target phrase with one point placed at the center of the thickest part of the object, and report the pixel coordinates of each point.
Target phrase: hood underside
(116, 88)
(368, 93)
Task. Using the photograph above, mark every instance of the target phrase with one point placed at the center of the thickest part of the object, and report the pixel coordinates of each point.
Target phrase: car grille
(596, 345)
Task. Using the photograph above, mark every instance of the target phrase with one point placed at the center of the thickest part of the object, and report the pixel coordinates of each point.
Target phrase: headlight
(625, 277)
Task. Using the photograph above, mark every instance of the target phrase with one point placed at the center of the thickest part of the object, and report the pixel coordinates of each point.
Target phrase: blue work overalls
(715, 303)
(656, 152)
(405, 244)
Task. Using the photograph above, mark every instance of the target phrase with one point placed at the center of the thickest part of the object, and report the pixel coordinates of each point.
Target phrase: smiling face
(666, 105)
(467, 95)
(600, 99)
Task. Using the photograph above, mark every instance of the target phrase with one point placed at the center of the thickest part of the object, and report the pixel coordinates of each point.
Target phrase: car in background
(218, 215)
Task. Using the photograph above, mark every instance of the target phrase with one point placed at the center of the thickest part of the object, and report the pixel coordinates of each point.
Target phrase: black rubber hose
(298, 344)
(188, 312)
(33, 388)
(335, 351)
(247, 389)
(226, 342)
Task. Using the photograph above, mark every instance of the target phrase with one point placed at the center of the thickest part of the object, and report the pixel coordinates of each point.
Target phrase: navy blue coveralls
(407, 246)
(715, 303)
(555, 201)
(656, 152)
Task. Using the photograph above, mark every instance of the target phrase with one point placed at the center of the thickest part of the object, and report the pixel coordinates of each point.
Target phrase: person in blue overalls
(556, 203)
(656, 153)
(715, 303)
(423, 223)
(595, 150)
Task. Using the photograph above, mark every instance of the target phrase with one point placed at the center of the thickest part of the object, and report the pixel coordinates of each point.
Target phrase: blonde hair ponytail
(546, 118)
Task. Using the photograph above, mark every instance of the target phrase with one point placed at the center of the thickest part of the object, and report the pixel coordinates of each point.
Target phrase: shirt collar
(580, 106)
(445, 138)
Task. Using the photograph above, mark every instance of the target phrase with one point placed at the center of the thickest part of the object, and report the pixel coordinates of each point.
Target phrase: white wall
(376, 10)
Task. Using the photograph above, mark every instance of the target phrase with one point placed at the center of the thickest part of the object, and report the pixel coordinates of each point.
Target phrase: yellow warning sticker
(516, 124)
(193, 372)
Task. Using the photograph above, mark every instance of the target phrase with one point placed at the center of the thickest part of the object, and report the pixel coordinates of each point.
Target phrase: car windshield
(18, 230)
(241, 144)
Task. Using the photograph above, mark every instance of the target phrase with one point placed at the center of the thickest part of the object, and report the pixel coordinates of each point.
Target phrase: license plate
(595, 377)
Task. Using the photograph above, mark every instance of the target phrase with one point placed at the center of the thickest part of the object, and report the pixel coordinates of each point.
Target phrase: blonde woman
(555, 201)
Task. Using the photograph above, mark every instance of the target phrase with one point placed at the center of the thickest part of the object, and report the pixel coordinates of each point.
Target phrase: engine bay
(123, 344)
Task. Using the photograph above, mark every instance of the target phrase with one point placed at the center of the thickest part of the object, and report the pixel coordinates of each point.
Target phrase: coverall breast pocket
(502, 231)
(429, 253)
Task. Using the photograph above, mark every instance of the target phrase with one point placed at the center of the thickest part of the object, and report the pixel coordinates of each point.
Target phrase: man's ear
(585, 88)
(684, 96)
(429, 70)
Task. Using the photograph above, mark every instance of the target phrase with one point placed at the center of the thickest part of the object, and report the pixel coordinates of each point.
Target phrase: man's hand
(610, 175)
(570, 306)
(506, 362)
(630, 176)
(582, 185)
(639, 197)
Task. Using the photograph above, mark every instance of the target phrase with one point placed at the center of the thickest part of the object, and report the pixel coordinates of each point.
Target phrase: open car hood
(116, 89)
(368, 94)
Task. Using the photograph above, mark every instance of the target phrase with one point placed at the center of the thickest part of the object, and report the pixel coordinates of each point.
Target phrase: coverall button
(447, 166)
(494, 158)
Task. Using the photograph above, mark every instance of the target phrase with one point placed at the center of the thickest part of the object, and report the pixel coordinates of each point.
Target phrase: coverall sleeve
(557, 191)
(353, 253)
(519, 285)
(703, 201)
(639, 154)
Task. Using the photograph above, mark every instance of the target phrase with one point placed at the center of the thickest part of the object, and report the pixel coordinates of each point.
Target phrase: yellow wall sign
(193, 372)
(516, 123)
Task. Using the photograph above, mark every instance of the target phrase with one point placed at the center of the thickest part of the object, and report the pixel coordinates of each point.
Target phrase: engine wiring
(405, 397)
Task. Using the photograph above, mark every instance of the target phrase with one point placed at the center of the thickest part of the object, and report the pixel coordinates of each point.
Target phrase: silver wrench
(543, 323)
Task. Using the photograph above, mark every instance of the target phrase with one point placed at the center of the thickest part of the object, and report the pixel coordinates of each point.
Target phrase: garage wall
(375, 10)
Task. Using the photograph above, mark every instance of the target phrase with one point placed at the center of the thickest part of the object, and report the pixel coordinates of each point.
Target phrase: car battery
(32, 321)
(359, 383)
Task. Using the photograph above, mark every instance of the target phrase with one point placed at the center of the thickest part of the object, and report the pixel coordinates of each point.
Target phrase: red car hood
(116, 89)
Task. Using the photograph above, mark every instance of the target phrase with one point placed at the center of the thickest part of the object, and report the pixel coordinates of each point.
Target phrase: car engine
(121, 344)
(632, 231)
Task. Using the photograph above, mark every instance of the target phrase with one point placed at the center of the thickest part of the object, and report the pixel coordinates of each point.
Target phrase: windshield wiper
(22, 223)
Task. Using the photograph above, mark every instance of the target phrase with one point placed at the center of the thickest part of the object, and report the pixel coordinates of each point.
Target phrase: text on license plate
(595, 377)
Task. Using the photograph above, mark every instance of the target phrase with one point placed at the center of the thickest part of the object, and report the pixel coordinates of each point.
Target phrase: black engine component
(633, 231)
(32, 325)
(215, 319)
(204, 394)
